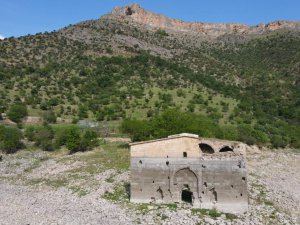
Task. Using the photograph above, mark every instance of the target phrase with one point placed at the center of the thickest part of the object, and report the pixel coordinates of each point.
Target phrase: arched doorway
(186, 195)
(186, 183)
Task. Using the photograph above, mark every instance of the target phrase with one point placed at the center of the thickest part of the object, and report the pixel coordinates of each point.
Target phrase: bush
(90, 140)
(17, 112)
(161, 32)
(44, 137)
(49, 117)
(30, 133)
(77, 141)
(10, 139)
(73, 142)
(278, 141)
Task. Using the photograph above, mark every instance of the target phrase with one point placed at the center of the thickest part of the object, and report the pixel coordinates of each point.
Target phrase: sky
(22, 17)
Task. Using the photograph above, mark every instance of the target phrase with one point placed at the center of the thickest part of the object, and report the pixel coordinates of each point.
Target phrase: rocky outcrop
(137, 14)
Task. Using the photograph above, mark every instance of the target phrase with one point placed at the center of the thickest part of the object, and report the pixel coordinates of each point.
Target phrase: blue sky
(21, 17)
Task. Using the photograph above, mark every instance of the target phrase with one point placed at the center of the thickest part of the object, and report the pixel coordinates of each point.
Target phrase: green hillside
(250, 87)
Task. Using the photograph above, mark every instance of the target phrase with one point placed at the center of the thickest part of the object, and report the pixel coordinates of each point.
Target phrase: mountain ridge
(137, 14)
(116, 68)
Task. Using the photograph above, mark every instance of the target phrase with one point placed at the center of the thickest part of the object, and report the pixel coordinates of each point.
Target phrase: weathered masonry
(206, 173)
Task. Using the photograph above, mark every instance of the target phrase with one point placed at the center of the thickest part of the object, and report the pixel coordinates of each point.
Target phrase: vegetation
(17, 112)
(209, 212)
(246, 90)
(74, 138)
(173, 121)
(10, 139)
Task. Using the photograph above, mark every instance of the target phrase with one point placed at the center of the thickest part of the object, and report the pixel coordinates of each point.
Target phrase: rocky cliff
(136, 14)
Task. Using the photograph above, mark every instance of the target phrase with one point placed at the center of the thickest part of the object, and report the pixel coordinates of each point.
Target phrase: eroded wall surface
(220, 184)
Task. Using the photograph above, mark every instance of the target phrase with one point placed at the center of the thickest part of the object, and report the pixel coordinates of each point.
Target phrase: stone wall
(207, 173)
(214, 183)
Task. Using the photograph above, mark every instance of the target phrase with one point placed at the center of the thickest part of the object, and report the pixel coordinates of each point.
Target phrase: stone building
(207, 173)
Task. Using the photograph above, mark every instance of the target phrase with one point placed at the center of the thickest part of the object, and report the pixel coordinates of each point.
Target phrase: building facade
(206, 173)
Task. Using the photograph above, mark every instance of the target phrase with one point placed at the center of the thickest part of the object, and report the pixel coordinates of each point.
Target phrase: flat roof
(182, 135)
(176, 136)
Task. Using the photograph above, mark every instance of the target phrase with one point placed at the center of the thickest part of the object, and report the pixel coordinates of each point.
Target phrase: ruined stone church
(206, 173)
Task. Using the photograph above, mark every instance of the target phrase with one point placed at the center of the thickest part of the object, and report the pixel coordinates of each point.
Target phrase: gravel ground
(36, 188)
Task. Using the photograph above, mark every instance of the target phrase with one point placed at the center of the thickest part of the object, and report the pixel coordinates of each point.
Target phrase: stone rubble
(273, 183)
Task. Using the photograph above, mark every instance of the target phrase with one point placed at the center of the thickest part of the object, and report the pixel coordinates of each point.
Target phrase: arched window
(207, 149)
(226, 149)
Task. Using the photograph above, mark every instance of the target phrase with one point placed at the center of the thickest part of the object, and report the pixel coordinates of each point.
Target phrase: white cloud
(1, 37)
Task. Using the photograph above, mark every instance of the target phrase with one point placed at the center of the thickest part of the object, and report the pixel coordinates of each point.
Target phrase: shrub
(10, 139)
(29, 133)
(44, 137)
(89, 140)
(161, 32)
(278, 141)
(17, 112)
(73, 140)
(49, 117)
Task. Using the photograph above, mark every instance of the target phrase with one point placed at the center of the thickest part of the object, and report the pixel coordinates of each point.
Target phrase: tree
(82, 112)
(89, 140)
(44, 137)
(10, 139)
(17, 112)
(30, 133)
(73, 140)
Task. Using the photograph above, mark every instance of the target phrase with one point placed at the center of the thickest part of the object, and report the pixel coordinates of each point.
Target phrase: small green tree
(44, 138)
(89, 140)
(73, 140)
(82, 112)
(17, 112)
(29, 133)
(10, 139)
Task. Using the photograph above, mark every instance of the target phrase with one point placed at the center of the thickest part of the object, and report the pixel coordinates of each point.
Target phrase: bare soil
(55, 188)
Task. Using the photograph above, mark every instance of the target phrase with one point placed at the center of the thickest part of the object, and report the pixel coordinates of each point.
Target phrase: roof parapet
(184, 135)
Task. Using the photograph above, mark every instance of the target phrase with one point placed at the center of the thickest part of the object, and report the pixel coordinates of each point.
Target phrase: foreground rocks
(39, 188)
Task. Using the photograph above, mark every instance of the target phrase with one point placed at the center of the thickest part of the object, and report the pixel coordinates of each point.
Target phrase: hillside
(134, 64)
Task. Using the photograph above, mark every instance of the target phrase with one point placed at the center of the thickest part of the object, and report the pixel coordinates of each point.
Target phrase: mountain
(132, 63)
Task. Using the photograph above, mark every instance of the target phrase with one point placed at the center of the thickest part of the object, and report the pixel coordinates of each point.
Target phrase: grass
(109, 180)
(55, 183)
(262, 196)
(79, 191)
(206, 212)
(231, 216)
(119, 194)
(112, 155)
(213, 213)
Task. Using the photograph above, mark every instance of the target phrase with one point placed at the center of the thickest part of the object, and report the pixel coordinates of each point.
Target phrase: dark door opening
(187, 196)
